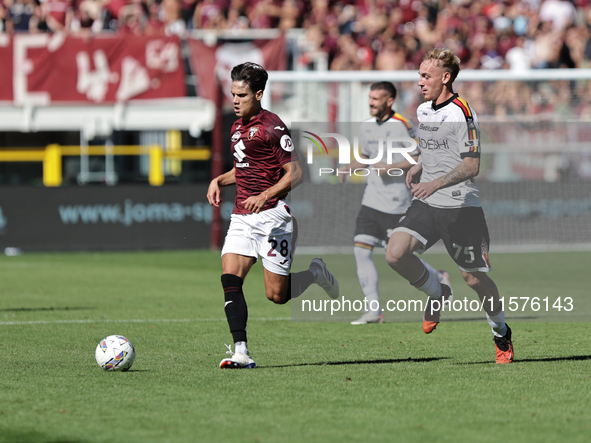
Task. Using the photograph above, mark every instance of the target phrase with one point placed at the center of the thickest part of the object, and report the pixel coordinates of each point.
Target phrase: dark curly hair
(252, 74)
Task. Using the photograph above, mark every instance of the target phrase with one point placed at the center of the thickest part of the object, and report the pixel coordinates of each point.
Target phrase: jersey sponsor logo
(281, 128)
(239, 151)
(286, 143)
(433, 144)
(252, 132)
(236, 136)
(456, 193)
(428, 128)
(242, 165)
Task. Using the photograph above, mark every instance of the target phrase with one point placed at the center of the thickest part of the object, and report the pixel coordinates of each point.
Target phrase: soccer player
(386, 196)
(265, 170)
(446, 204)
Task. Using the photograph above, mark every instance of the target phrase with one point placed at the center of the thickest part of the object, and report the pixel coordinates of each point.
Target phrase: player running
(446, 204)
(386, 197)
(265, 170)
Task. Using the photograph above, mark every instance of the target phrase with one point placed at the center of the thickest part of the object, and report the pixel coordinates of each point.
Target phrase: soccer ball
(115, 353)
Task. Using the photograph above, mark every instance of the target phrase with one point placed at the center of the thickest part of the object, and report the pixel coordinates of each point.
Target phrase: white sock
(368, 277)
(434, 272)
(497, 324)
(428, 284)
(240, 346)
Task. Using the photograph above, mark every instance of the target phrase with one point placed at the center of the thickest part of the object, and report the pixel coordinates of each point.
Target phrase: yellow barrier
(52, 166)
(156, 174)
(22, 156)
(52, 155)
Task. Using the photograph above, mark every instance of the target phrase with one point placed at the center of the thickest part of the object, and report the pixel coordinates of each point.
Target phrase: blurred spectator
(351, 57)
(490, 58)
(132, 18)
(153, 24)
(5, 25)
(208, 15)
(290, 16)
(236, 19)
(561, 13)
(58, 14)
(88, 18)
(20, 13)
(392, 57)
(111, 12)
(264, 14)
(517, 57)
(170, 14)
(546, 46)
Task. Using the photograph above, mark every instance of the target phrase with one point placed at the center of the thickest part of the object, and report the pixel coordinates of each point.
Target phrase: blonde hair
(447, 61)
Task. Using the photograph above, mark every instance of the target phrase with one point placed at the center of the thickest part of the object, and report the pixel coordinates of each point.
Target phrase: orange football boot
(504, 347)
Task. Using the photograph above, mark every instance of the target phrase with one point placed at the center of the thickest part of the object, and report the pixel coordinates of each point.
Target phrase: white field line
(135, 320)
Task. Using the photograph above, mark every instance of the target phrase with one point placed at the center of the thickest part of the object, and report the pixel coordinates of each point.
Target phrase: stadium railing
(52, 155)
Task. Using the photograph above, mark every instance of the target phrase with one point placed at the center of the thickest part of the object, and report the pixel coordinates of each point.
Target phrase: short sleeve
(279, 138)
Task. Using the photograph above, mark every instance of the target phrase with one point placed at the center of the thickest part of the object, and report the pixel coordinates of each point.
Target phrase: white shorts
(267, 234)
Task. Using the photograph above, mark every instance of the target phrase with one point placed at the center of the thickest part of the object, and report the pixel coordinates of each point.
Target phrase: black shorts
(463, 231)
(375, 223)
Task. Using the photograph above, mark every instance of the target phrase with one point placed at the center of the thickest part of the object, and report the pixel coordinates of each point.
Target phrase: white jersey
(447, 133)
(385, 193)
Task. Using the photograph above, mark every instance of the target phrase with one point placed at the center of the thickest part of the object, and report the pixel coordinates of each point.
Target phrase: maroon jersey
(260, 150)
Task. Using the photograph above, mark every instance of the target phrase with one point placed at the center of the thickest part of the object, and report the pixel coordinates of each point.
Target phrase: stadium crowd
(366, 35)
(347, 34)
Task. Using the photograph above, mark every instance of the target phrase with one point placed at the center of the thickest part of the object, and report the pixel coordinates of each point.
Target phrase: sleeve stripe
(399, 117)
(463, 105)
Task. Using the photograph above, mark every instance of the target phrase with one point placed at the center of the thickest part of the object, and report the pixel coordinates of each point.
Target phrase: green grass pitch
(316, 381)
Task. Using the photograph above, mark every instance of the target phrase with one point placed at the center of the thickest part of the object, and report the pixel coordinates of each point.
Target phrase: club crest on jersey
(252, 132)
(236, 136)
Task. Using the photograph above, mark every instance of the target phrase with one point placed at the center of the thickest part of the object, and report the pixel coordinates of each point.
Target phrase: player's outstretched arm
(293, 177)
(469, 168)
(213, 191)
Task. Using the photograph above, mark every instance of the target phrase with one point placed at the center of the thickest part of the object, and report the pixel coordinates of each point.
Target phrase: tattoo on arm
(457, 175)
